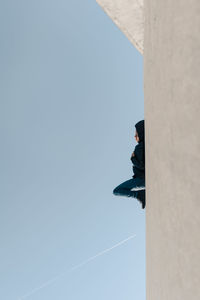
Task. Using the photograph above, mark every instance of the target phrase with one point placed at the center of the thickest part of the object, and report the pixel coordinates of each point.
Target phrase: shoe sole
(138, 188)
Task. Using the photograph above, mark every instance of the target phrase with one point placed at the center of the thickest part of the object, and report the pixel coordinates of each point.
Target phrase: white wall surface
(172, 128)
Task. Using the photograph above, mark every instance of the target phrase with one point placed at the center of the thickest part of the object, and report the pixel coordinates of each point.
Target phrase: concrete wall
(172, 136)
(172, 114)
(129, 17)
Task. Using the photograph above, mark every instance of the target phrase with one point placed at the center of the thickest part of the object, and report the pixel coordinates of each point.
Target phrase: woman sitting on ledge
(135, 187)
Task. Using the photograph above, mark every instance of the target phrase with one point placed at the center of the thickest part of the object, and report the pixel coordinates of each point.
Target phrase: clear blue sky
(71, 93)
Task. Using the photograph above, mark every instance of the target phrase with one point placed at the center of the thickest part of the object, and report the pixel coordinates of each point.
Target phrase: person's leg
(139, 184)
(125, 188)
(141, 198)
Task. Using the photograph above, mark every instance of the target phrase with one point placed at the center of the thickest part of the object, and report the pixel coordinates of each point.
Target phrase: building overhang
(129, 17)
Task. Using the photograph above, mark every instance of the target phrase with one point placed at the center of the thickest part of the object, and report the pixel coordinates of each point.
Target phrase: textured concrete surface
(172, 129)
(172, 136)
(129, 17)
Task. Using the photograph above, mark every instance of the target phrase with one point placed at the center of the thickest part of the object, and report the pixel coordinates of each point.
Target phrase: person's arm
(137, 158)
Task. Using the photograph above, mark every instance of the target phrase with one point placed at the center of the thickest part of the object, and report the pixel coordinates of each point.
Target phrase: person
(135, 187)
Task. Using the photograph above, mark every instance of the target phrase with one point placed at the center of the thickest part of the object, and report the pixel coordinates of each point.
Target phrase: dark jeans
(124, 189)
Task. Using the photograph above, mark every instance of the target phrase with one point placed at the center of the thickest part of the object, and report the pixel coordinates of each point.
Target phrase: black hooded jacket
(139, 159)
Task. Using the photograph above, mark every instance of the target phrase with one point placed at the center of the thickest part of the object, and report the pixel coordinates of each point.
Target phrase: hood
(140, 130)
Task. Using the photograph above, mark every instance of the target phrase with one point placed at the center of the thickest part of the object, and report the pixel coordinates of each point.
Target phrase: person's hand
(133, 154)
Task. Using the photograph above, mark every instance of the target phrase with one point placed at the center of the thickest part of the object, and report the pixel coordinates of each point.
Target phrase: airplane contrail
(45, 284)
